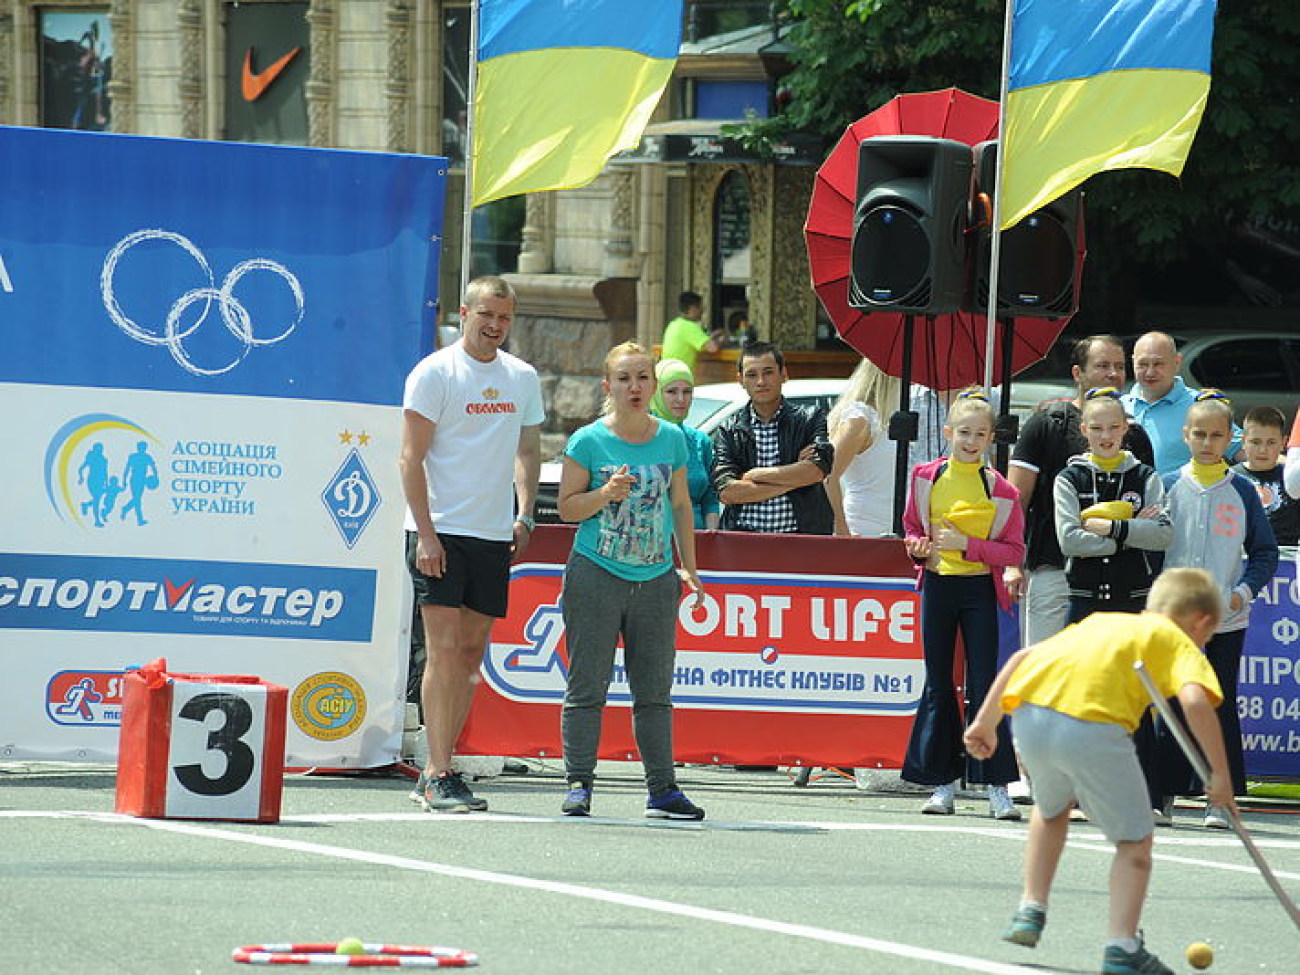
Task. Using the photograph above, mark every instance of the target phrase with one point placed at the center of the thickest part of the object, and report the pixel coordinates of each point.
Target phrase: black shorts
(477, 575)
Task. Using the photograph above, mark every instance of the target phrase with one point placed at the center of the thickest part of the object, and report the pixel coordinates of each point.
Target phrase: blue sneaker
(1117, 961)
(672, 805)
(1026, 927)
(577, 801)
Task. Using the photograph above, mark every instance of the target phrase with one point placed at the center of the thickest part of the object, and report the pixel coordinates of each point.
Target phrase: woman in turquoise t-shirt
(624, 481)
(671, 402)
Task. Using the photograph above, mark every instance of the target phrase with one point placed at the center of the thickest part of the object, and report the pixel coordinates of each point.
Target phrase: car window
(1258, 363)
(701, 409)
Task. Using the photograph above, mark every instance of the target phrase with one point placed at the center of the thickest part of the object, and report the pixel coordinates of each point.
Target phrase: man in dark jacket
(770, 458)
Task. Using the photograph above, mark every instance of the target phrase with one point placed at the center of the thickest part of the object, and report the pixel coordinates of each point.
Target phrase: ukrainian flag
(563, 85)
(1097, 85)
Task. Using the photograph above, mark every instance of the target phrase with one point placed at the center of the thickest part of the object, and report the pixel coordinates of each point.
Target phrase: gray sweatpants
(597, 607)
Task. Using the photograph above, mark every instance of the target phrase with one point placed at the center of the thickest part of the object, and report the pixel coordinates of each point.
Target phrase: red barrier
(807, 650)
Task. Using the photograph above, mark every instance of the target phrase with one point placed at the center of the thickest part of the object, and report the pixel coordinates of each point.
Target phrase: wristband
(527, 521)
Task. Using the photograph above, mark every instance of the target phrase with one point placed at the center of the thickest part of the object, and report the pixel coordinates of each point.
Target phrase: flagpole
(467, 225)
(995, 241)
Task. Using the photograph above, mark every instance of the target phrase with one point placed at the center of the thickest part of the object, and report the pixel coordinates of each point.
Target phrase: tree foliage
(851, 56)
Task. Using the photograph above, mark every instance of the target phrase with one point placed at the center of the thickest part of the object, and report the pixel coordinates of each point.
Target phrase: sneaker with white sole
(941, 802)
(672, 804)
(1001, 806)
(416, 794)
(1163, 815)
(1216, 817)
(449, 793)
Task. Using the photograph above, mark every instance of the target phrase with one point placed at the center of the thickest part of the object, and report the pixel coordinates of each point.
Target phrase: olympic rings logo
(234, 315)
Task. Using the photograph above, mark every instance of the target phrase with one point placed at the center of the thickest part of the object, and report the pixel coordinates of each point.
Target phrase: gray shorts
(1086, 761)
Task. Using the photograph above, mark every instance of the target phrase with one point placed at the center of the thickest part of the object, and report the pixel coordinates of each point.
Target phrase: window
(76, 66)
(1244, 364)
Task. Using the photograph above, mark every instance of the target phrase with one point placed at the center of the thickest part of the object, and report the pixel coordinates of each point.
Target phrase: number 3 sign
(196, 746)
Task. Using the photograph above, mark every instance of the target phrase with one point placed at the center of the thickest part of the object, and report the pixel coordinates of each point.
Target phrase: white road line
(636, 901)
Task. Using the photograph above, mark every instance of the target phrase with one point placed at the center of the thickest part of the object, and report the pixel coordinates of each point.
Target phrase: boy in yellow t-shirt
(1076, 701)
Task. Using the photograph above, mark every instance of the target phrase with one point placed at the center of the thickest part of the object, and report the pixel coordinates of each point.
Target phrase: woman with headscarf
(671, 402)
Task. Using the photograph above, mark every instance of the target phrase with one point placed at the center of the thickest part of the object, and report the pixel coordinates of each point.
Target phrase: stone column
(620, 259)
(321, 96)
(189, 21)
(121, 87)
(398, 17)
(538, 237)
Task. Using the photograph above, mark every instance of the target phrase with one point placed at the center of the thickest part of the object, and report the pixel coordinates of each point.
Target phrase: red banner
(806, 650)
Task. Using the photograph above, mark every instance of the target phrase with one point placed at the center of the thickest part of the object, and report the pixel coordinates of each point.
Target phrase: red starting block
(200, 746)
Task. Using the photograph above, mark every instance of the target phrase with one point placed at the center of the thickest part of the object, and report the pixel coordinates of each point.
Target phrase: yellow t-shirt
(960, 495)
(1086, 670)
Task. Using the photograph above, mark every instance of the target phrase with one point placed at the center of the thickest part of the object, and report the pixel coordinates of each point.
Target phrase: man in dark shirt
(770, 458)
(1050, 437)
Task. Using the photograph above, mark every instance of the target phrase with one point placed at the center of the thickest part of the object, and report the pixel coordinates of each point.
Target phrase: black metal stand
(903, 427)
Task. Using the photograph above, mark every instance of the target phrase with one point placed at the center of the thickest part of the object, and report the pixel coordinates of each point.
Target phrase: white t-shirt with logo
(478, 409)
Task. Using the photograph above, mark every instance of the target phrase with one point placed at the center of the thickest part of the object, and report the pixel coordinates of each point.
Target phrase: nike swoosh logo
(255, 84)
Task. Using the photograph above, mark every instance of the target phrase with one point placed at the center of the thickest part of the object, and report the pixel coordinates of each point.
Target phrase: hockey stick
(1198, 763)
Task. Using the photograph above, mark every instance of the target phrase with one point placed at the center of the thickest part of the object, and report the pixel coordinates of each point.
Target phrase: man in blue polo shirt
(1159, 401)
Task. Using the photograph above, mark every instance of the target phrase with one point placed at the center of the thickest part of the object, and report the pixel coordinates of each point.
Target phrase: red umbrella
(950, 355)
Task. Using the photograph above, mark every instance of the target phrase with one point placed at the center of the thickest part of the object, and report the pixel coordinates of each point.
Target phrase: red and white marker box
(200, 746)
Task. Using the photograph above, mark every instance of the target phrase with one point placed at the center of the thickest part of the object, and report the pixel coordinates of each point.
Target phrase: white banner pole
(467, 215)
(995, 241)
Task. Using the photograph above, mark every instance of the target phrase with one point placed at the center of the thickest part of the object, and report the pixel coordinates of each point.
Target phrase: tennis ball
(353, 946)
(1200, 955)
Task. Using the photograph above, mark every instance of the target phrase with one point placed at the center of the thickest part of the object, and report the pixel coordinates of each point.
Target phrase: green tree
(851, 56)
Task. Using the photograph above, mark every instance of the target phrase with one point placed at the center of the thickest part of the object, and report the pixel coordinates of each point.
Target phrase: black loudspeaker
(908, 252)
(1037, 265)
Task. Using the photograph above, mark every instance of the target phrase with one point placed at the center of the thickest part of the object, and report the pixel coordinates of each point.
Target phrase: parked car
(1255, 368)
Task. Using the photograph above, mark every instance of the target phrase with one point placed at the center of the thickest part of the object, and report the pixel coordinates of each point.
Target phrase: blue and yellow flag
(563, 85)
(1098, 85)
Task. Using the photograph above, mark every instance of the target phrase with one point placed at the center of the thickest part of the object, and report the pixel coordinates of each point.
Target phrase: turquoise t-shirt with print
(632, 538)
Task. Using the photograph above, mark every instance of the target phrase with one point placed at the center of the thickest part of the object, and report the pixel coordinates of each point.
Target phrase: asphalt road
(777, 879)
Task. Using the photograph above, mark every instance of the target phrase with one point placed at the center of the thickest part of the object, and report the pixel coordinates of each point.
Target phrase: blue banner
(1268, 695)
(186, 266)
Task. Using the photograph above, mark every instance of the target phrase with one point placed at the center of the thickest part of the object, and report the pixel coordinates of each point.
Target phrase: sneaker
(1163, 815)
(940, 804)
(1026, 927)
(449, 793)
(1001, 806)
(1216, 817)
(672, 805)
(577, 801)
(417, 793)
(1117, 961)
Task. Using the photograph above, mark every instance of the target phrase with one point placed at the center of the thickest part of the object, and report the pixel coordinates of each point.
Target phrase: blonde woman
(624, 482)
(861, 482)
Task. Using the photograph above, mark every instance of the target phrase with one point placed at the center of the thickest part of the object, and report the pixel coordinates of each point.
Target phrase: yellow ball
(1200, 955)
(353, 946)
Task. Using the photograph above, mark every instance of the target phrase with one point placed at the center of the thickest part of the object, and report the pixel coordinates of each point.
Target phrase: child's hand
(1150, 511)
(1235, 603)
(950, 538)
(919, 548)
(981, 739)
(1218, 791)
(1098, 526)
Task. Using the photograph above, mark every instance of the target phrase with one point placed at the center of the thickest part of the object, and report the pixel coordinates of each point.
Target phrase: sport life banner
(204, 351)
(807, 649)
(1268, 695)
